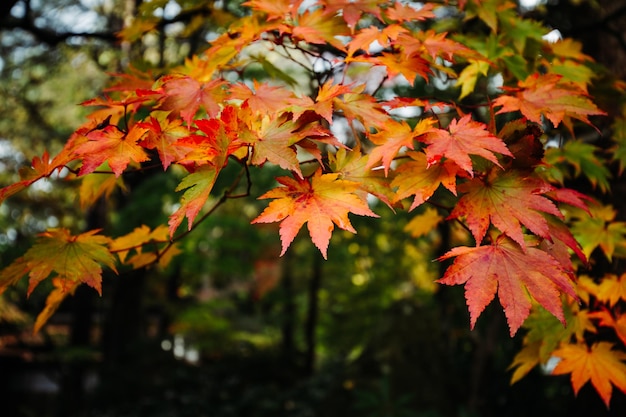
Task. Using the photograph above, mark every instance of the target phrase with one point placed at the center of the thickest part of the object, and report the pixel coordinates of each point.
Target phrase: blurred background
(229, 328)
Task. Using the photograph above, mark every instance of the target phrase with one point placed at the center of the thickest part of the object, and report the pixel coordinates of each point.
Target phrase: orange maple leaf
(274, 9)
(273, 138)
(551, 96)
(317, 27)
(363, 107)
(265, 98)
(508, 201)
(364, 38)
(410, 66)
(416, 178)
(401, 12)
(606, 319)
(463, 138)
(111, 145)
(321, 201)
(393, 137)
(516, 275)
(41, 167)
(439, 45)
(325, 98)
(600, 364)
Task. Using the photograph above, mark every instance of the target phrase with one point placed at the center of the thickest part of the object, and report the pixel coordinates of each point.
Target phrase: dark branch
(50, 36)
(53, 38)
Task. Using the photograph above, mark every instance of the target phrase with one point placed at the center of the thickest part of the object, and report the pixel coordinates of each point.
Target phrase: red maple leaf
(208, 154)
(508, 201)
(516, 275)
(463, 138)
(185, 95)
(350, 10)
(111, 145)
(161, 135)
(551, 96)
(321, 201)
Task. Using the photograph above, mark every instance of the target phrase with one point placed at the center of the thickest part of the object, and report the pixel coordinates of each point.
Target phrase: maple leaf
(401, 12)
(618, 151)
(548, 95)
(198, 186)
(600, 230)
(507, 201)
(41, 167)
(111, 145)
(395, 136)
(363, 107)
(599, 363)
(366, 36)
(220, 140)
(611, 289)
(61, 290)
(416, 178)
(315, 26)
(424, 223)
(516, 275)
(463, 138)
(350, 10)
(185, 95)
(274, 9)
(352, 165)
(136, 239)
(410, 66)
(561, 240)
(273, 138)
(525, 360)
(582, 157)
(264, 99)
(72, 258)
(606, 319)
(439, 45)
(324, 100)
(162, 133)
(93, 187)
(321, 201)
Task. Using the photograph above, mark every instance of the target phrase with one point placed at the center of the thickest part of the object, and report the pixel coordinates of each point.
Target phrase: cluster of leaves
(336, 117)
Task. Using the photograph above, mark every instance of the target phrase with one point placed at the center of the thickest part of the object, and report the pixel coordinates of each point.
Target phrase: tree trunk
(312, 316)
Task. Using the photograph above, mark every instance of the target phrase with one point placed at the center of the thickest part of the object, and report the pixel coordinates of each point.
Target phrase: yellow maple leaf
(72, 258)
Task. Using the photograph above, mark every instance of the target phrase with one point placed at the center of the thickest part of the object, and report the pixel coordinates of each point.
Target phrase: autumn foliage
(352, 118)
